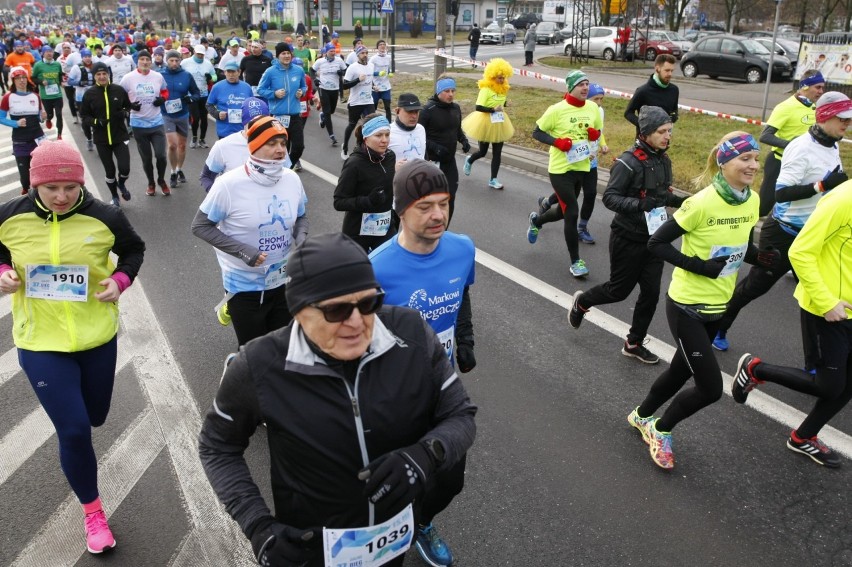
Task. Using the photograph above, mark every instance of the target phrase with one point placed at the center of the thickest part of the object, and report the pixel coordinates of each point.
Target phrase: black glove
(136, 105)
(101, 122)
(277, 544)
(208, 77)
(158, 101)
(396, 479)
(439, 153)
(466, 147)
(464, 356)
(832, 179)
(187, 100)
(647, 204)
(377, 197)
(713, 267)
(341, 72)
(769, 258)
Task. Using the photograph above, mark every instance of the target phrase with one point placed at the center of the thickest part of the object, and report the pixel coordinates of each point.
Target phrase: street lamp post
(771, 60)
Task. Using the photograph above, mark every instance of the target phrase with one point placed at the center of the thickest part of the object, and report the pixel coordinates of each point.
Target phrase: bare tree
(674, 12)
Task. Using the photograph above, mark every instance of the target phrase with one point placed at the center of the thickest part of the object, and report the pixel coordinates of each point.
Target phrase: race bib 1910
(375, 224)
(736, 255)
(59, 283)
(371, 546)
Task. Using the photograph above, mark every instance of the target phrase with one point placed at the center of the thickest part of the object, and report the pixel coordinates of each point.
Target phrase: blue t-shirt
(229, 97)
(433, 284)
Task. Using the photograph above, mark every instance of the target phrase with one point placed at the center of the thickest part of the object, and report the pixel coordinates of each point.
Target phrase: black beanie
(283, 46)
(651, 118)
(326, 266)
(142, 53)
(415, 179)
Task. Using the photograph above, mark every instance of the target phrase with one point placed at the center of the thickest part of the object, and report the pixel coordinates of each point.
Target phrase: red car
(656, 43)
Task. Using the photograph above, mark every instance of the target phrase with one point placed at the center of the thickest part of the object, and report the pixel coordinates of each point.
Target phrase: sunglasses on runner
(339, 312)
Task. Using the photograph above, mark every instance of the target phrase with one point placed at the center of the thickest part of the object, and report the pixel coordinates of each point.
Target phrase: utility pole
(440, 30)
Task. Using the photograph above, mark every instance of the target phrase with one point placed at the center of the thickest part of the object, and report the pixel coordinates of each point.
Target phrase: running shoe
(122, 188)
(818, 451)
(333, 141)
(532, 231)
(432, 548)
(98, 535)
(164, 187)
(584, 236)
(151, 191)
(660, 446)
(343, 154)
(76, 121)
(579, 269)
(297, 166)
(640, 353)
(744, 379)
(495, 184)
(643, 424)
(543, 205)
(467, 165)
(24, 192)
(59, 136)
(90, 145)
(224, 315)
(115, 201)
(181, 176)
(173, 182)
(576, 313)
(321, 120)
(721, 341)
(194, 143)
(49, 123)
(202, 144)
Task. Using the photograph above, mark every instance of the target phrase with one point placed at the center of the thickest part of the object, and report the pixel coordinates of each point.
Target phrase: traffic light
(316, 4)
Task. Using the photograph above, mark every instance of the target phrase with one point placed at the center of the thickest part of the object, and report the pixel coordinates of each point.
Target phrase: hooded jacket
(277, 77)
(652, 94)
(105, 109)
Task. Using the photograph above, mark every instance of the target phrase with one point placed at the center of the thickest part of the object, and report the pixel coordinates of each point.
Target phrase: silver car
(596, 41)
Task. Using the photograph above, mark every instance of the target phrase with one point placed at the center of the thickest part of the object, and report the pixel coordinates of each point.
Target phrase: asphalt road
(556, 475)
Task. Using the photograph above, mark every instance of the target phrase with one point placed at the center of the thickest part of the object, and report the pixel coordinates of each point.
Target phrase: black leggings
(567, 186)
(295, 138)
(328, 101)
(832, 385)
(694, 359)
(451, 172)
(355, 114)
(198, 112)
(255, 313)
(496, 154)
(72, 100)
(121, 151)
(590, 194)
(148, 139)
(23, 163)
(53, 106)
(771, 169)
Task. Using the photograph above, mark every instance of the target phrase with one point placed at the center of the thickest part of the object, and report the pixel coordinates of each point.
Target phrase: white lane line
(8, 159)
(757, 400)
(14, 188)
(8, 366)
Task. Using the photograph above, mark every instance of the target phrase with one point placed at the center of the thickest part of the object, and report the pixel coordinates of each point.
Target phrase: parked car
(597, 41)
(678, 40)
(495, 33)
(788, 35)
(654, 44)
(523, 21)
(734, 56)
(695, 35)
(547, 33)
(647, 22)
(785, 47)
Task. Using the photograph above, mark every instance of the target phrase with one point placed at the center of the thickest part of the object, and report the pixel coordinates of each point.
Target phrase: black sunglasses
(338, 312)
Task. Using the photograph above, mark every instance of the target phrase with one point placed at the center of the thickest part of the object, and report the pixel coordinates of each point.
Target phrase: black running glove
(158, 101)
(831, 180)
(464, 355)
(377, 196)
(713, 267)
(466, 147)
(647, 204)
(279, 545)
(136, 105)
(396, 479)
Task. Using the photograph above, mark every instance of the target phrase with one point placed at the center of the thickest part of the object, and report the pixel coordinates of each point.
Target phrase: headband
(729, 149)
(374, 125)
(832, 109)
(444, 84)
(812, 80)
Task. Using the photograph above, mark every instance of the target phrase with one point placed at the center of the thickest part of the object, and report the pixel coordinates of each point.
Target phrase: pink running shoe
(98, 535)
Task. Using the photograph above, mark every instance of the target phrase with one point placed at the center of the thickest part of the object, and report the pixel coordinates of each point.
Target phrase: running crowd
(328, 324)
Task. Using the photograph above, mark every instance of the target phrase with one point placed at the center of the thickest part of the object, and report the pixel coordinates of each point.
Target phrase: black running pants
(198, 113)
(328, 101)
(567, 186)
(496, 155)
(771, 169)
(355, 114)
(71, 95)
(151, 143)
(121, 151)
(255, 313)
(53, 106)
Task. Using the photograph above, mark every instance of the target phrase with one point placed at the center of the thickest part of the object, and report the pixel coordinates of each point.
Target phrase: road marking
(757, 400)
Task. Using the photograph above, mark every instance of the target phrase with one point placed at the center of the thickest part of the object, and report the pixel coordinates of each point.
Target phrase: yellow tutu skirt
(478, 126)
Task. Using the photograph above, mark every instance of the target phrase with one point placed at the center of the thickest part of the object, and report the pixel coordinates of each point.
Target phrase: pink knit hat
(55, 161)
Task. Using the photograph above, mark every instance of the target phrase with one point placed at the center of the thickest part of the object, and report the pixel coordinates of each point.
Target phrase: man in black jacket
(473, 37)
(658, 91)
(351, 444)
(441, 117)
(639, 190)
(253, 65)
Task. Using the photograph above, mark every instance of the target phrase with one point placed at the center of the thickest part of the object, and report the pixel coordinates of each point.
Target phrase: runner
(376, 367)
(407, 135)
(252, 216)
(282, 85)
(147, 92)
(67, 62)
(21, 110)
(429, 269)
(716, 225)
(569, 127)
(821, 257)
(182, 94)
(254, 65)
(66, 333)
(104, 108)
(359, 80)
(225, 101)
(489, 123)
(639, 190)
(81, 78)
(119, 63)
(47, 74)
(381, 63)
(328, 71)
(204, 74)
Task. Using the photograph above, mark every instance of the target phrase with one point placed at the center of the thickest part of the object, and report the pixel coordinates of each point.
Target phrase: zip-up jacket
(328, 420)
(252, 68)
(442, 122)
(181, 88)
(652, 94)
(31, 236)
(104, 109)
(277, 77)
(639, 173)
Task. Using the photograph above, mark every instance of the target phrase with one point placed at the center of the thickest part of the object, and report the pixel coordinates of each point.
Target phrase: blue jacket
(277, 77)
(181, 86)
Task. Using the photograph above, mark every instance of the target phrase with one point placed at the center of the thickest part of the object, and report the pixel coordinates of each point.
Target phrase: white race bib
(276, 275)
(375, 224)
(370, 546)
(497, 117)
(303, 106)
(736, 255)
(284, 119)
(235, 116)
(60, 283)
(254, 91)
(448, 339)
(174, 105)
(578, 152)
(655, 219)
(51, 90)
(40, 140)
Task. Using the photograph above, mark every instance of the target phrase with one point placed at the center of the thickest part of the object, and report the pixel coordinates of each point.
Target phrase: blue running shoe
(579, 269)
(532, 231)
(432, 548)
(467, 165)
(495, 184)
(584, 236)
(720, 342)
